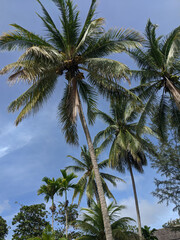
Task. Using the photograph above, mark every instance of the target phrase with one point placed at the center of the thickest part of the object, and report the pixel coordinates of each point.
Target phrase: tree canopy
(30, 222)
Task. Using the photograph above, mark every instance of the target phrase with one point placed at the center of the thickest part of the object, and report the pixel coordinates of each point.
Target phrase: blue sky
(37, 148)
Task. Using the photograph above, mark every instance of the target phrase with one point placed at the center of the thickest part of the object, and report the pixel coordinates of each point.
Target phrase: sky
(37, 148)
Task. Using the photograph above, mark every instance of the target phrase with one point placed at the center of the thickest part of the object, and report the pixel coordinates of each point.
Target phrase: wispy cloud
(152, 213)
(12, 139)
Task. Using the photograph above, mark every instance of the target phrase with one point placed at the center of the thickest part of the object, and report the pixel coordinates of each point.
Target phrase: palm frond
(107, 68)
(89, 95)
(66, 118)
(93, 31)
(55, 37)
(21, 39)
(77, 162)
(114, 41)
(170, 47)
(34, 97)
(88, 20)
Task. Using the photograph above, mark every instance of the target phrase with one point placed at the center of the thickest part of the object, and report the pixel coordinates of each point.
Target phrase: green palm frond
(112, 179)
(78, 162)
(70, 22)
(65, 113)
(171, 46)
(92, 224)
(88, 20)
(110, 69)
(93, 31)
(103, 164)
(55, 36)
(21, 39)
(161, 116)
(89, 95)
(34, 97)
(114, 41)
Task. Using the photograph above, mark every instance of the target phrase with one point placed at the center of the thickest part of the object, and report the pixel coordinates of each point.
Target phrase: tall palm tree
(87, 182)
(159, 73)
(49, 190)
(71, 51)
(127, 146)
(65, 186)
(92, 223)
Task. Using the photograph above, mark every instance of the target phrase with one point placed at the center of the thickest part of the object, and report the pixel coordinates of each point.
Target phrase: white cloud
(12, 138)
(4, 151)
(152, 213)
(4, 206)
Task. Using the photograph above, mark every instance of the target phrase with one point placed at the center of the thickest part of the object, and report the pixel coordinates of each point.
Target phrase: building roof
(167, 234)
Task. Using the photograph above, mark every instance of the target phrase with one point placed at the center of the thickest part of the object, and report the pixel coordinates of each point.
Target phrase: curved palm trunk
(136, 201)
(174, 91)
(66, 205)
(107, 226)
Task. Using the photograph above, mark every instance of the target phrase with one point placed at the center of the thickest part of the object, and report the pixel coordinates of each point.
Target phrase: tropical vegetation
(127, 148)
(87, 183)
(75, 55)
(71, 52)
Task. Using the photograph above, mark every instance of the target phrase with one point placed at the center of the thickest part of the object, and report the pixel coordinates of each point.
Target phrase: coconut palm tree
(87, 182)
(70, 52)
(159, 73)
(49, 190)
(65, 186)
(92, 226)
(127, 146)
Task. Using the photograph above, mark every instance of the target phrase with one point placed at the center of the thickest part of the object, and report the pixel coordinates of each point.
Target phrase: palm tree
(127, 147)
(149, 234)
(87, 182)
(92, 223)
(71, 51)
(65, 186)
(159, 74)
(49, 190)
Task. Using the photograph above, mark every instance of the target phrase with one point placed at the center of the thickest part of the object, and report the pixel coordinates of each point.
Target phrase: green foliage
(148, 234)
(87, 183)
(123, 134)
(49, 190)
(65, 183)
(174, 225)
(167, 163)
(30, 222)
(159, 73)
(70, 51)
(93, 228)
(3, 228)
(72, 214)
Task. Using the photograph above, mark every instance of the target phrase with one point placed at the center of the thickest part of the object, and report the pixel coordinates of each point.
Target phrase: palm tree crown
(124, 134)
(92, 223)
(49, 190)
(68, 51)
(159, 73)
(87, 182)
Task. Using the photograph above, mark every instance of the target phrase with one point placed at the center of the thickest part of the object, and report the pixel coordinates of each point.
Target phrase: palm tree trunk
(96, 195)
(107, 226)
(136, 201)
(174, 91)
(52, 215)
(66, 214)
